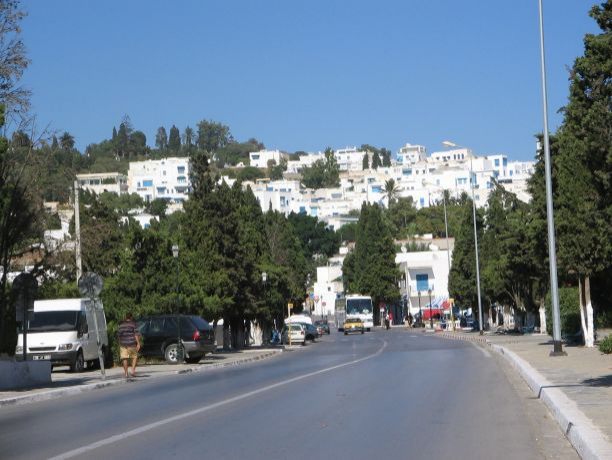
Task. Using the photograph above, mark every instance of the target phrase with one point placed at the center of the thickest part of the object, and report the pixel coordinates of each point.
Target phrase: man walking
(129, 343)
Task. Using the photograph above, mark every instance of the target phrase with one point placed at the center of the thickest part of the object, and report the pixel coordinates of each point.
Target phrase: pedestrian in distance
(129, 343)
(387, 320)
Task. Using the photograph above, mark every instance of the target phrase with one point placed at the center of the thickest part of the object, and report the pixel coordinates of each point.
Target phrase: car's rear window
(200, 323)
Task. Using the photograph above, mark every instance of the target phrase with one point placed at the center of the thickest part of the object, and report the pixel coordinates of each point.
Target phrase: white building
(410, 154)
(304, 161)
(425, 273)
(260, 159)
(349, 159)
(278, 195)
(103, 182)
(166, 179)
(328, 287)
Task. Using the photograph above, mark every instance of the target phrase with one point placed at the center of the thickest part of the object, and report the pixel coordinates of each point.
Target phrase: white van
(64, 332)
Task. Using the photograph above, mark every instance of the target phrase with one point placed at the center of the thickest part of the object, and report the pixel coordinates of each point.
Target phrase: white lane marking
(485, 352)
(162, 422)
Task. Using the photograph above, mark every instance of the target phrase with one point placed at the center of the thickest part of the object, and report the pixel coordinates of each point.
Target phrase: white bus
(355, 306)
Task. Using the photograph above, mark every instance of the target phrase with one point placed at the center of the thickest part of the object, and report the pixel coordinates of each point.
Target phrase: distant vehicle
(355, 306)
(353, 325)
(160, 337)
(293, 333)
(323, 326)
(311, 331)
(299, 318)
(63, 331)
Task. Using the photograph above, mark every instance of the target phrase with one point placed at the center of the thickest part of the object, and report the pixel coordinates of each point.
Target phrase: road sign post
(90, 285)
(24, 287)
(289, 307)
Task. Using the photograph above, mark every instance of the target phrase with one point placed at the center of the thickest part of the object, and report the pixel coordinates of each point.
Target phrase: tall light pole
(472, 184)
(179, 347)
(420, 312)
(552, 256)
(430, 315)
(264, 279)
(447, 250)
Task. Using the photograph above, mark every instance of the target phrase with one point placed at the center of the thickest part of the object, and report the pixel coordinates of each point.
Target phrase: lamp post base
(557, 349)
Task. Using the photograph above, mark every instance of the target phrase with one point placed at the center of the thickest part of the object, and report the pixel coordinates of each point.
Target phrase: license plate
(41, 357)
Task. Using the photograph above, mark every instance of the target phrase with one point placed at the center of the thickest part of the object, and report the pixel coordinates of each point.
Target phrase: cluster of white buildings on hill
(415, 174)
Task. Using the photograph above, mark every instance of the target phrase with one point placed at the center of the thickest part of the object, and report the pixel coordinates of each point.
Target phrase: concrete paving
(577, 388)
(64, 382)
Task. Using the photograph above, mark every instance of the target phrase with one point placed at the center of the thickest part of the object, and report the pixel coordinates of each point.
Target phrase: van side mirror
(83, 329)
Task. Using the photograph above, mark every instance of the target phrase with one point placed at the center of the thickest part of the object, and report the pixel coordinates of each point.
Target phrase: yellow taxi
(353, 325)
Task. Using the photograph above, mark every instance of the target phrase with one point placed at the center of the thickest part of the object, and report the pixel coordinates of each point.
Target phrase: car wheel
(79, 363)
(345, 333)
(171, 353)
(193, 359)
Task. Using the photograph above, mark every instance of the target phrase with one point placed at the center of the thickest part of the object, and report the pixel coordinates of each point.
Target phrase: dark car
(160, 337)
(322, 326)
(311, 331)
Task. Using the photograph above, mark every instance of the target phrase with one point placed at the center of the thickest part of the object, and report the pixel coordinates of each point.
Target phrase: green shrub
(605, 346)
(569, 310)
(603, 319)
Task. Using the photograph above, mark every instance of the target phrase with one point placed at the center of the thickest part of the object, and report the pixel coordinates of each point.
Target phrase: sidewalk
(65, 383)
(577, 388)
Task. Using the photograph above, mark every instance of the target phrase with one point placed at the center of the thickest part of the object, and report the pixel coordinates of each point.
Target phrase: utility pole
(77, 231)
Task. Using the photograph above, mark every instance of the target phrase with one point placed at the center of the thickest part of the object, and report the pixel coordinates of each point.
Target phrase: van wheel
(171, 353)
(79, 363)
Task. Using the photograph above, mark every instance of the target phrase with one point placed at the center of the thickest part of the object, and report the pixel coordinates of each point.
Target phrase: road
(386, 394)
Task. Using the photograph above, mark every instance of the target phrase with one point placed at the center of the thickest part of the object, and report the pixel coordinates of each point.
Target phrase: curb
(584, 436)
(60, 392)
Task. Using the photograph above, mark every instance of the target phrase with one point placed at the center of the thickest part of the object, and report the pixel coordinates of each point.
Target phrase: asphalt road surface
(394, 394)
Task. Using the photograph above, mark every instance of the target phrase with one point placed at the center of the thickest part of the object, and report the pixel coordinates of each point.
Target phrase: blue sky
(306, 75)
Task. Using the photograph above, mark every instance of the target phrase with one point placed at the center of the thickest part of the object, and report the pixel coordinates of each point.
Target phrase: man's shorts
(128, 352)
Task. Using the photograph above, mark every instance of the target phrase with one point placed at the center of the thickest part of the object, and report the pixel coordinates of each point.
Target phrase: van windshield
(51, 321)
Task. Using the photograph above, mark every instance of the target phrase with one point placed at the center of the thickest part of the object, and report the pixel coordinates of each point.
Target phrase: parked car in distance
(311, 331)
(353, 325)
(294, 331)
(160, 337)
(323, 326)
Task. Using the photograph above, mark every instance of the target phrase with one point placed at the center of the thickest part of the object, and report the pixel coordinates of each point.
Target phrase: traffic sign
(90, 284)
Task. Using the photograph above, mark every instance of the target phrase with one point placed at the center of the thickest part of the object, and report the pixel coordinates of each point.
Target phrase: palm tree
(66, 141)
(391, 191)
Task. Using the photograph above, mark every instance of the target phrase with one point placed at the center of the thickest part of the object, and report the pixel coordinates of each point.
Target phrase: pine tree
(174, 140)
(584, 190)
(372, 270)
(365, 163)
(161, 139)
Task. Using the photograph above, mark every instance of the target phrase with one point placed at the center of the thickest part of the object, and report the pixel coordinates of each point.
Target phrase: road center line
(159, 423)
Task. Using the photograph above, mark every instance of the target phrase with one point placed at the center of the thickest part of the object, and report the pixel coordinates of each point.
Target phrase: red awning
(433, 312)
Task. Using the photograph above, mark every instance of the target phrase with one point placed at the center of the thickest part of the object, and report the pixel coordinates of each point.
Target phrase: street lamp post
(472, 180)
(447, 251)
(552, 255)
(472, 184)
(430, 315)
(420, 312)
(179, 347)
